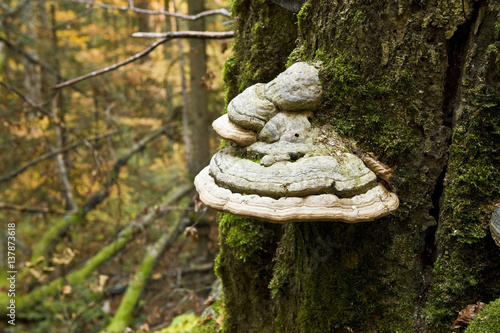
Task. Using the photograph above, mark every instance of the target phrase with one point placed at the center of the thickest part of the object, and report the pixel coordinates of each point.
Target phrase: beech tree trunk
(418, 84)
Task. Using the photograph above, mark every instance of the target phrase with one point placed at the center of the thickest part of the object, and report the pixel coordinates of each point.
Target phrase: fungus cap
(232, 132)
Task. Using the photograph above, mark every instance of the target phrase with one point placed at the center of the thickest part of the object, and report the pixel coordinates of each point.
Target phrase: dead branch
(76, 18)
(131, 7)
(168, 36)
(106, 253)
(38, 107)
(54, 153)
(49, 238)
(30, 58)
(8, 11)
(35, 61)
(25, 209)
(134, 290)
(61, 161)
(202, 268)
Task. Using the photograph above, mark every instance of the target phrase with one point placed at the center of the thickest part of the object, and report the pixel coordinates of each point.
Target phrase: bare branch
(7, 11)
(76, 18)
(61, 160)
(38, 107)
(30, 58)
(52, 154)
(106, 253)
(168, 36)
(131, 7)
(35, 61)
(25, 209)
(49, 238)
(139, 146)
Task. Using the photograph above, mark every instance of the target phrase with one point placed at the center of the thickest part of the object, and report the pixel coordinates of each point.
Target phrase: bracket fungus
(280, 168)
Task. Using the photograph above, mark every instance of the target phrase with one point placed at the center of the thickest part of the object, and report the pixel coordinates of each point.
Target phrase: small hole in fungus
(296, 135)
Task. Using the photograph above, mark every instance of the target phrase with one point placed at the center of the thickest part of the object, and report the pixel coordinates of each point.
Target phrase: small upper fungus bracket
(281, 168)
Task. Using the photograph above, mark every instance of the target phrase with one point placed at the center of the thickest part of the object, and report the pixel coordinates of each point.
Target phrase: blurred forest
(95, 174)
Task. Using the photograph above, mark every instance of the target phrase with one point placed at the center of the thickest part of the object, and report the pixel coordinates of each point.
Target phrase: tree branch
(11, 11)
(168, 36)
(25, 209)
(52, 154)
(35, 61)
(49, 238)
(106, 253)
(38, 107)
(131, 7)
(30, 58)
(123, 315)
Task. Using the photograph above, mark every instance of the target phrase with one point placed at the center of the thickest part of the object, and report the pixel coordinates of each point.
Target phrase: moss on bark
(487, 320)
(417, 84)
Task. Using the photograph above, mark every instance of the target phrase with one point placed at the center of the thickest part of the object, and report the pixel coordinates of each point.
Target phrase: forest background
(96, 175)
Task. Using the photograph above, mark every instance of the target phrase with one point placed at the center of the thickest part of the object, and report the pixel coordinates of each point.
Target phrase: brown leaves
(466, 315)
(206, 319)
(191, 232)
(211, 300)
(383, 171)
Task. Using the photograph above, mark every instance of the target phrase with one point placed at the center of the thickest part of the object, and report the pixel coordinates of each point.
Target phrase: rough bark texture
(417, 83)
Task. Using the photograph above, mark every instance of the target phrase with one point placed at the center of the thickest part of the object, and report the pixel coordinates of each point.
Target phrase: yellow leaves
(99, 287)
(92, 56)
(29, 129)
(65, 15)
(73, 39)
(151, 123)
(38, 270)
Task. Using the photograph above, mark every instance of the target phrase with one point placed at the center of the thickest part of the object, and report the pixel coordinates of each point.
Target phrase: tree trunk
(198, 107)
(417, 83)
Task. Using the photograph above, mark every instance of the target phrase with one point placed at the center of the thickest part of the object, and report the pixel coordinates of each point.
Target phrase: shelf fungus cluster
(280, 168)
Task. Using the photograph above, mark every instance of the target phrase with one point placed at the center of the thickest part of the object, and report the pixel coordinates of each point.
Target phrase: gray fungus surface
(279, 168)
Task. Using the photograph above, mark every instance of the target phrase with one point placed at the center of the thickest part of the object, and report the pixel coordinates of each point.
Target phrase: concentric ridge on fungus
(277, 170)
(375, 203)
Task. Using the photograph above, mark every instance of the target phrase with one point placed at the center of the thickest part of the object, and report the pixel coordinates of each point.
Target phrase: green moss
(475, 160)
(487, 321)
(356, 105)
(464, 272)
(242, 235)
(303, 14)
(209, 319)
(262, 46)
(335, 279)
(228, 76)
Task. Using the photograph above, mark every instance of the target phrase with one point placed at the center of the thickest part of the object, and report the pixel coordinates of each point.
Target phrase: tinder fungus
(280, 168)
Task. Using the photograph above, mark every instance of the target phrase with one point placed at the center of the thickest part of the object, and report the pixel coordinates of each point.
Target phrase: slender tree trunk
(185, 100)
(198, 107)
(417, 83)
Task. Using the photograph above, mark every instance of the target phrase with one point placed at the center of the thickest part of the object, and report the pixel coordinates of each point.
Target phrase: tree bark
(416, 83)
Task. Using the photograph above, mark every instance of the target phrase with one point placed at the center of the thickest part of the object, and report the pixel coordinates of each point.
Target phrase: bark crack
(456, 50)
